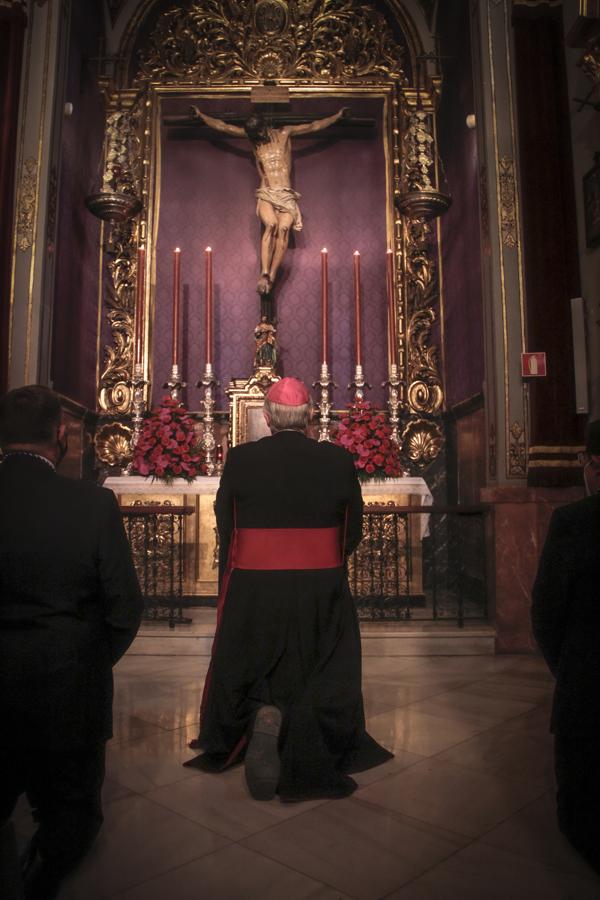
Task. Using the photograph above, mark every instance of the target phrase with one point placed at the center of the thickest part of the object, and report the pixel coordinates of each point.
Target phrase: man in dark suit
(285, 680)
(566, 624)
(70, 606)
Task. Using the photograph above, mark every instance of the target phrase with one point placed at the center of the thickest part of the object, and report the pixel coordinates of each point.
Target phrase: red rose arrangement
(364, 432)
(167, 447)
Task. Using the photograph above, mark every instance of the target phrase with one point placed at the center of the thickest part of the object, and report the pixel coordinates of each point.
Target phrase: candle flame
(177, 250)
(324, 250)
(208, 250)
(389, 250)
(356, 253)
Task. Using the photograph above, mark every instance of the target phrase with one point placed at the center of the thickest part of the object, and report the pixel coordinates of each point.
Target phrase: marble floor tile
(533, 833)
(459, 799)
(359, 849)
(222, 803)
(480, 872)
(395, 694)
(139, 840)
(127, 728)
(417, 732)
(463, 706)
(233, 873)
(508, 754)
(513, 688)
(151, 762)
(536, 722)
(402, 760)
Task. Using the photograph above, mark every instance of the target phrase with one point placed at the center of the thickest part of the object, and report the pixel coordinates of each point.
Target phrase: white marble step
(378, 639)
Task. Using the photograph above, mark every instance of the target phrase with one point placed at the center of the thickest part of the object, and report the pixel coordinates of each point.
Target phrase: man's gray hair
(283, 416)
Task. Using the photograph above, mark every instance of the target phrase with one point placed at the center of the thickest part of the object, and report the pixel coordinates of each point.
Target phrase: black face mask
(63, 446)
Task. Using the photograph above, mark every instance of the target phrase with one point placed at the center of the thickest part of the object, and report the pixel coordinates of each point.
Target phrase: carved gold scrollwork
(26, 210)
(424, 395)
(224, 41)
(115, 391)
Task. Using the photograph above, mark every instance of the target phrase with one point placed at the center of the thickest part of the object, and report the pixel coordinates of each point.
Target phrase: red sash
(274, 549)
(287, 548)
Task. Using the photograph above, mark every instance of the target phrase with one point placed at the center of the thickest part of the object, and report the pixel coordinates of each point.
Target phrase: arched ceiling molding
(409, 15)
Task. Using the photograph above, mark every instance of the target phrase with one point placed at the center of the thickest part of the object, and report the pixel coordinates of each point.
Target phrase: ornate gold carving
(118, 196)
(113, 444)
(221, 41)
(122, 175)
(115, 390)
(508, 206)
(590, 62)
(26, 210)
(424, 393)
(516, 450)
(422, 441)
(379, 566)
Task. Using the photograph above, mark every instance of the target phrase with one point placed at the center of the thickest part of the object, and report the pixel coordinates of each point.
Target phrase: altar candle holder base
(208, 442)
(325, 384)
(359, 384)
(175, 384)
(393, 385)
(137, 384)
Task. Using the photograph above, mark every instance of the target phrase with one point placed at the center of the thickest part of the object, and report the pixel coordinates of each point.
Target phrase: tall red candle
(139, 306)
(176, 283)
(208, 304)
(324, 303)
(357, 307)
(391, 309)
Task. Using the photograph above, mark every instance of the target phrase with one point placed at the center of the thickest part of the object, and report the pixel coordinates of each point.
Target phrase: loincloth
(283, 200)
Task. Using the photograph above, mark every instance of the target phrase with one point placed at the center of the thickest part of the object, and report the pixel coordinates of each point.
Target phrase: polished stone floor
(463, 812)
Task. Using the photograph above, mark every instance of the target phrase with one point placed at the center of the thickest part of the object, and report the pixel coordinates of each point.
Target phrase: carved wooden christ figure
(276, 201)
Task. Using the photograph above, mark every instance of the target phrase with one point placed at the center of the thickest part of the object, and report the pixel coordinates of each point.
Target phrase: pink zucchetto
(288, 392)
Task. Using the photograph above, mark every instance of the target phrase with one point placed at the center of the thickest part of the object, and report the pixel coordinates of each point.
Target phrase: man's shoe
(262, 756)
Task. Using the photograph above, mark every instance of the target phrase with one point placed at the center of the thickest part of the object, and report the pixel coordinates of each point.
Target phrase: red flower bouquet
(364, 432)
(167, 447)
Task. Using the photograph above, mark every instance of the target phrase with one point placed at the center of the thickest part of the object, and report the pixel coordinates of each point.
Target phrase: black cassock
(287, 630)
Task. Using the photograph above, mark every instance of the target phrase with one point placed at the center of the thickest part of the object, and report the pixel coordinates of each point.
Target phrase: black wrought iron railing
(156, 536)
(422, 563)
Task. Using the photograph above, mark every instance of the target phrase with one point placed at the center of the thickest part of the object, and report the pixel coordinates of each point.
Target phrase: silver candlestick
(137, 384)
(393, 384)
(359, 384)
(208, 442)
(175, 384)
(325, 383)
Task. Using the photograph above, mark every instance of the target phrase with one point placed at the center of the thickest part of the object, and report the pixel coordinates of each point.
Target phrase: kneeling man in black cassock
(284, 686)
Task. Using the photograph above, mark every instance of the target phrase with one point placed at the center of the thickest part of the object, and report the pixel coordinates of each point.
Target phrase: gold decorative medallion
(508, 205)
(113, 444)
(422, 441)
(516, 450)
(26, 209)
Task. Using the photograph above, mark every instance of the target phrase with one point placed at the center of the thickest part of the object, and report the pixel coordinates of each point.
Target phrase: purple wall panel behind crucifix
(207, 199)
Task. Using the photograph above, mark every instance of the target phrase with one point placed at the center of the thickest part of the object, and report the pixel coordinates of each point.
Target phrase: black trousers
(63, 788)
(577, 766)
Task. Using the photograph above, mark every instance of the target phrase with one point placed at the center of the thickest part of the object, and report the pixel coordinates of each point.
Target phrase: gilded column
(42, 73)
(503, 282)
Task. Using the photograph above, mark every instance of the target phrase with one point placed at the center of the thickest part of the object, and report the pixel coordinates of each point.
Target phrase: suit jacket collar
(21, 461)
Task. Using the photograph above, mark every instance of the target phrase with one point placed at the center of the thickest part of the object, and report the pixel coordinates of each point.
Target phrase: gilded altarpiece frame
(321, 47)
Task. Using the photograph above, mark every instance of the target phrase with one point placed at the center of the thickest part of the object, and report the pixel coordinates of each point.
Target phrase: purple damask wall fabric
(207, 198)
(461, 259)
(76, 276)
